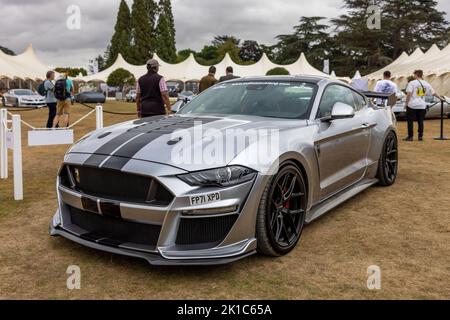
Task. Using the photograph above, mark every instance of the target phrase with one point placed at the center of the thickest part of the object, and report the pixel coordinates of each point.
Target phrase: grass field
(404, 229)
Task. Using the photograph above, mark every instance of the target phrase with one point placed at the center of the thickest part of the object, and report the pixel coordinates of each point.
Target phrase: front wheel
(388, 164)
(4, 102)
(281, 214)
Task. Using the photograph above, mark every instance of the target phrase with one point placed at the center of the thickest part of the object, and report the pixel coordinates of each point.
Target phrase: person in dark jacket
(229, 76)
(152, 94)
(209, 80)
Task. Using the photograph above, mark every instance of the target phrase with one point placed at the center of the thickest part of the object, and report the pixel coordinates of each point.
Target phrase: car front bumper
(172, 220)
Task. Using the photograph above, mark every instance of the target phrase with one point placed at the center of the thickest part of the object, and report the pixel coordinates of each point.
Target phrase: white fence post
(17, 157)
(3, 146)
(99, 117)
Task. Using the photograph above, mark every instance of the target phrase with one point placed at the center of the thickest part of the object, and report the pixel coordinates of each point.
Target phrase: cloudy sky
(44, 23)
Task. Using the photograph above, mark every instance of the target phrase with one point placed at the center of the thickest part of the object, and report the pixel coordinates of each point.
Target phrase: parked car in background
(174, 89)
(183, 99)
(434, 108)
(90, 97)
(131, 96)
(23, 98)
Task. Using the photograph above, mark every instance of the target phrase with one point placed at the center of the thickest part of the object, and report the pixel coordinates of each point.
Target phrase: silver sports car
(239, 170)
(23, 98)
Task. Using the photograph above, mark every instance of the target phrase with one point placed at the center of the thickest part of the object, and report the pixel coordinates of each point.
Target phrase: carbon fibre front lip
(152, 259)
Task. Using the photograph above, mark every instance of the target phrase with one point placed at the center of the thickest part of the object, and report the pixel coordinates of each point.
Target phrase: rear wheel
(281, 214)
(4, 102)
(388, 164)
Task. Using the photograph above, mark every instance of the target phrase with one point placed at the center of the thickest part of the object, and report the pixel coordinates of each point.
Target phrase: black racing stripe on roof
(128, 144)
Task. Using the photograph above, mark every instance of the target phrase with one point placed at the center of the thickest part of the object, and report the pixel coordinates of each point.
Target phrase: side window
(360, 101)
(335, 93)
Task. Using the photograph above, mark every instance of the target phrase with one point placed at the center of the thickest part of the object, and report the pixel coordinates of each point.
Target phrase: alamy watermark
(374, 278)
(74, 277)
(73, 21)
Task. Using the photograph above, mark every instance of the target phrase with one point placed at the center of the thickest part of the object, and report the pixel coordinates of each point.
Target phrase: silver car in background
(433, 109)
(23, 98)
(133, 189)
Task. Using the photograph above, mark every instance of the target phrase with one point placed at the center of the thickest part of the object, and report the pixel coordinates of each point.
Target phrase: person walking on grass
(64, 91)
(209, 80)
(50, 99)
(416, 107)
(152, 94)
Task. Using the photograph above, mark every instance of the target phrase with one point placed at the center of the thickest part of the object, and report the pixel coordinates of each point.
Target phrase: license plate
(205, 199)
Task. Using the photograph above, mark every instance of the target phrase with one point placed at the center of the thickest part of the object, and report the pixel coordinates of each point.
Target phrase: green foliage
(165, 31)
(121, 78)
(184, 54)
(250, 51)
(73, 72)
(277, 72)
(143, 35)
(121, 39)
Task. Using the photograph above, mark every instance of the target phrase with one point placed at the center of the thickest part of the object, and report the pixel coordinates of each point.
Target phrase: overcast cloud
(43, 23)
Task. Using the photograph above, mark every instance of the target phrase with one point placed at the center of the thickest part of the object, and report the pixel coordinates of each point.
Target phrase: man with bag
(64, 91)
(416, 107)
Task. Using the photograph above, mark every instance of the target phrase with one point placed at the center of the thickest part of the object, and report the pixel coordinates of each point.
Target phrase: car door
(341, 145)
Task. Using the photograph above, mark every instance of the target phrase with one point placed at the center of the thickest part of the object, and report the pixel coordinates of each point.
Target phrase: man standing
(152, 94)
(64, 92)
(209, 80)
(50, 97)
(386, 86)
(416, 107)
(229, 76)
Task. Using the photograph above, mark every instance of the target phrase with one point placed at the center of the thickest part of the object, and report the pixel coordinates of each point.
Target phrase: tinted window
(290, 100)
(23, 92)
(333, 94)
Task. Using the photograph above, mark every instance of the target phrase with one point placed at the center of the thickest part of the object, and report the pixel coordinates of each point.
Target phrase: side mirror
(342, 111)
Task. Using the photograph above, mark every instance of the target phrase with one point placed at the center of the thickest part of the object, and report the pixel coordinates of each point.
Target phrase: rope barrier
(110, 112)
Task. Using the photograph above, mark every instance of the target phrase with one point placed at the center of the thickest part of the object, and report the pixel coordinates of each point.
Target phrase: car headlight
(222, 177)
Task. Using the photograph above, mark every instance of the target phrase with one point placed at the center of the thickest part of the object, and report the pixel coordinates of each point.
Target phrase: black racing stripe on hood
(128, 144)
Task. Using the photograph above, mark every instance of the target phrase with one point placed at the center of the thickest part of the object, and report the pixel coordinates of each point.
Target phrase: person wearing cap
(208, 80)
(152, 94)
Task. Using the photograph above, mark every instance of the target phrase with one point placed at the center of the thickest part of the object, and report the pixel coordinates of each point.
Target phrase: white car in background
(23, 98)
(433, 108)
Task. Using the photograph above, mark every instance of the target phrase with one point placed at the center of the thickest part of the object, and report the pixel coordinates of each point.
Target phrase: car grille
(194, 231)
(113, 231)
(115, 185)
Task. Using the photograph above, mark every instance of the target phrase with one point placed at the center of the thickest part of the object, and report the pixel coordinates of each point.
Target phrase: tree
(220, 40)
(414, 23)
(250, 51)
(121, 39)
(7, 51)
(121, 78)
(143, 36)
(165, 31)
(310, 37)
(209, 55)
(184, 54)
(73, 72)
(277, 72)
(355, 46)
(231, 48)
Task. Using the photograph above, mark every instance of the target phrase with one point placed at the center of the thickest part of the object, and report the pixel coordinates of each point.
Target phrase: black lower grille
(204, 230)
(115, 185)
(114, 231)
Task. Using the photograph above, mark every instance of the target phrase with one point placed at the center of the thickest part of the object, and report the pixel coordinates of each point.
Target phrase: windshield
(290, 100)
(23, 93)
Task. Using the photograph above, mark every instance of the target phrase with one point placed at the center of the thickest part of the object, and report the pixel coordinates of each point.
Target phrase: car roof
(299, 78)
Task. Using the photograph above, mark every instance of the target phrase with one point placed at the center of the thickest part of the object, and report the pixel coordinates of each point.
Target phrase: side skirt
(320, 209)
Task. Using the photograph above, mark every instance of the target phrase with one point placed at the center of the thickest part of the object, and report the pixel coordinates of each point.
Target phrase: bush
(278, 72)
(121, 78)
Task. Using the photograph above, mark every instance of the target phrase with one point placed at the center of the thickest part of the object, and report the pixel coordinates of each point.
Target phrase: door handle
(365, 125)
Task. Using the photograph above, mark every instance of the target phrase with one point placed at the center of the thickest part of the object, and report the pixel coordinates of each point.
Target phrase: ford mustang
(239, 170)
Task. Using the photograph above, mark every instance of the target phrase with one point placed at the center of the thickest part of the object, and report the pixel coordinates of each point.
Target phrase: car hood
(30, 97)
(188, 143)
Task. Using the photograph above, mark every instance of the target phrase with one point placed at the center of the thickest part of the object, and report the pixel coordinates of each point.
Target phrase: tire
(388, 163)
(4, 102)
(17, 103)
(279, 224)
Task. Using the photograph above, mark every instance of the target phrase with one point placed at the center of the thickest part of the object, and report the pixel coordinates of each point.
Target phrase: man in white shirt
(416, 107)
(386, 86)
